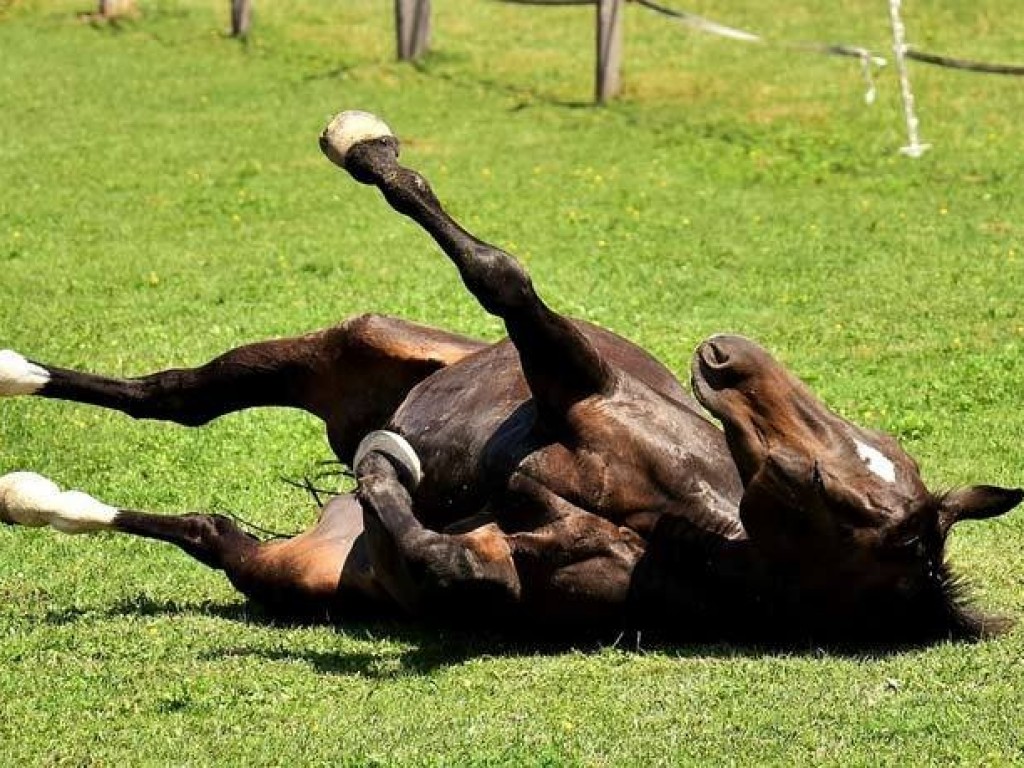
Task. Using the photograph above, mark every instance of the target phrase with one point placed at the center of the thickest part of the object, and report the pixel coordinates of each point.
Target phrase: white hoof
(348, 129)
(393, 445)
(18, 376)
(23, 496)
(32, 500)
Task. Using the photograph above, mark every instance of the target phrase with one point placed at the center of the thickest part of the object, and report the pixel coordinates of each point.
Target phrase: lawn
(162, 199)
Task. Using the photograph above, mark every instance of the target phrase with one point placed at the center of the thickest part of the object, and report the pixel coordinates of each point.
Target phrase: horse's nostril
(714, 356)
(720, 355)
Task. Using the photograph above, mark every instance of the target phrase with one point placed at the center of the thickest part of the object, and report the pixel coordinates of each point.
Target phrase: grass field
(162, 198)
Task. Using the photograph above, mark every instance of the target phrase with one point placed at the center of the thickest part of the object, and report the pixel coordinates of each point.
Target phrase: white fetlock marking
(18, 376)
(348, 129)
(394, 446)
(32, 500)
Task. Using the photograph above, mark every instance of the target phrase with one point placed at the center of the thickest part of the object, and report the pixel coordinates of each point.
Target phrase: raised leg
(352, 376)
(560, 364)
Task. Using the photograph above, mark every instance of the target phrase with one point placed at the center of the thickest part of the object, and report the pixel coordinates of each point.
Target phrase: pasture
(162, 198)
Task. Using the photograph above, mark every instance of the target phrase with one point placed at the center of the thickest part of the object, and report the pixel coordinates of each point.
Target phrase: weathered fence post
(412, 27)
(609, 49)
(241, 17)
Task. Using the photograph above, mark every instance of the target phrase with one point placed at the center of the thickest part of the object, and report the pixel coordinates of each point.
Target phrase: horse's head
(841, 508)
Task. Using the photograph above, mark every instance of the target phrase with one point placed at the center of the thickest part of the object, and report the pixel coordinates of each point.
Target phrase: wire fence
(413, 35)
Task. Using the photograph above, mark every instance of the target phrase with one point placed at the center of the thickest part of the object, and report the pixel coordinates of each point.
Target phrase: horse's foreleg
(467, 576)
(560, 363)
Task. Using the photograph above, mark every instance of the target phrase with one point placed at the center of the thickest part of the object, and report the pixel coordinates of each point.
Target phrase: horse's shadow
(419, 649)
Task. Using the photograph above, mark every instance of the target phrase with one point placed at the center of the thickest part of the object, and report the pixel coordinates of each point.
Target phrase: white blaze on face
(18, 376)
(348, 129)
(876, 461)
(32, 500)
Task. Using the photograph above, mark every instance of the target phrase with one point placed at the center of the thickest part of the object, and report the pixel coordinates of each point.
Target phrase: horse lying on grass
(560, 480)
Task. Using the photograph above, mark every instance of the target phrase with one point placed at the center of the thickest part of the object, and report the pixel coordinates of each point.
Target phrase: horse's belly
(455, 420)
(474, 427)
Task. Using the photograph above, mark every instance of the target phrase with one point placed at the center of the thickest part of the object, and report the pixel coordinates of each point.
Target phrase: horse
(558, 480)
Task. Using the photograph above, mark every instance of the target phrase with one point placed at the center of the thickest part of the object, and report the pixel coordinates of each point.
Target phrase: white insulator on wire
(867, 61)
(914, 146)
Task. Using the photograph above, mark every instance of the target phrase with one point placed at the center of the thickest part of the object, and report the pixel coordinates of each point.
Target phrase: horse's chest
(483, 446)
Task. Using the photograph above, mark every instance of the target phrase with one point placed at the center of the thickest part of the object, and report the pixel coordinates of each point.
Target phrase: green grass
(162, 198)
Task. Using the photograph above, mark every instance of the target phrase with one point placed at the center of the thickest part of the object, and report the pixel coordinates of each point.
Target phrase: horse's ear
(769, 510)
(977, 503)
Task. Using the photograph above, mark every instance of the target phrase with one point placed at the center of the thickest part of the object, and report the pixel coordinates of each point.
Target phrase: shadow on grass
(143, 605)
(433, 67)
(525, 96)
(424, 648)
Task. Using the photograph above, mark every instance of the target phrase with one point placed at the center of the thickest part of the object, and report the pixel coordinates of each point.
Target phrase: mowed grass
(162, 199)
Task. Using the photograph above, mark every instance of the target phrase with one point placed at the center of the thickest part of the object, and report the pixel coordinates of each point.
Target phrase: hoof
(18, 376)
(348, 129)
(35, 501)
(23, 496)
(395, 447)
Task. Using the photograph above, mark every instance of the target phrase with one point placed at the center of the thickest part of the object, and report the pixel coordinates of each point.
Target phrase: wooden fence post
(412, 28)
(241, 17)
(108, 9)
(609, 49)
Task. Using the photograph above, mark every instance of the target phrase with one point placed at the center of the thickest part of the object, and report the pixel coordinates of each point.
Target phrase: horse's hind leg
(34, 501)
(353, 376)
(323, 571)
(559, 362)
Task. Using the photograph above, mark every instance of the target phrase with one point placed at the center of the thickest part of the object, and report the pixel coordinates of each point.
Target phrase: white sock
(18, 376)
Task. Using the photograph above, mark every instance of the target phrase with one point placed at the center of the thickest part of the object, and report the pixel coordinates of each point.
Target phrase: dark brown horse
(559, 480)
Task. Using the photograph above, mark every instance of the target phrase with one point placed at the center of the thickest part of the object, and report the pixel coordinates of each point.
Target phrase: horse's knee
(455, 578)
